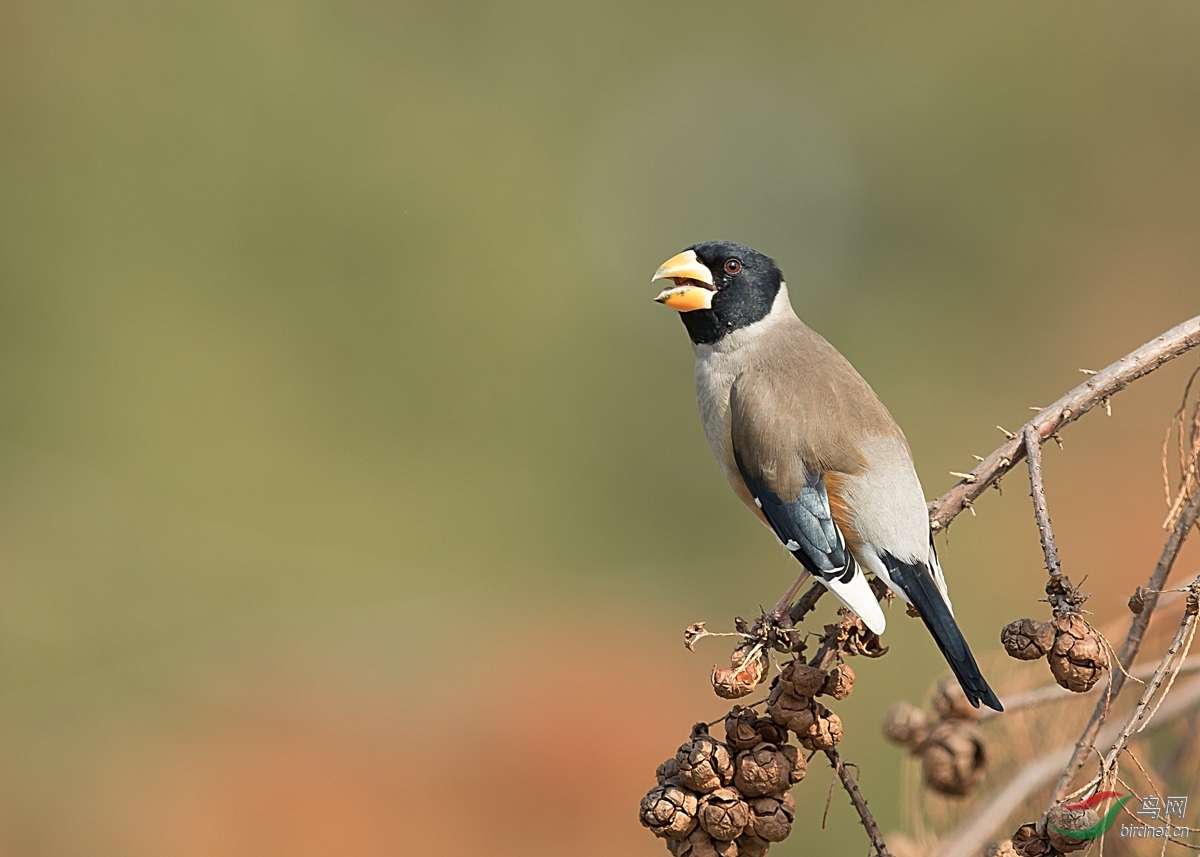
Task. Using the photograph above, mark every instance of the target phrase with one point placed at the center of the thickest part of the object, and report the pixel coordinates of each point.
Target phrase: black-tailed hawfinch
(806, 444)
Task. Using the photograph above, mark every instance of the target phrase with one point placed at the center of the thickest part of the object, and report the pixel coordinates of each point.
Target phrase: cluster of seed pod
(732, 798)
(1054, 842)
(1073, 648)
(951, 747)
(793, 704)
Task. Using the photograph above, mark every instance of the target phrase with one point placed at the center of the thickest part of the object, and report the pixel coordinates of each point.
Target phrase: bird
(808, 446)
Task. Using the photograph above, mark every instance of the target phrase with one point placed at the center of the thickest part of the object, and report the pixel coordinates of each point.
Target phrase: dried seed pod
(1027, 639)
(953, 757)
(801, 680)
(951, 703)
(723, 814)
(750, 845)
(669, 811)
(1060, 818)
(1027, 843)
(793, 712)
(771, 817)
(905, 724)
(1003, 848)
(799, 765)
(704, 763)
(839, 682)
(771, 732)
(1077, 659)
(1137, 601)
(745, 673)
(667, 771)
(765, 770)
(741, 728)
(700, 844)
(825, 731)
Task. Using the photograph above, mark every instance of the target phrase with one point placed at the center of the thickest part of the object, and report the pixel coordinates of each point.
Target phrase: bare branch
(808, 601)
(1033, 453)
(859, 802)
(1094, 391)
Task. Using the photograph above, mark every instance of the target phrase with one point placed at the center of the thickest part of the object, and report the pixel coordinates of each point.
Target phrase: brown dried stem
(807, 603)
(1176, 651)
(1041, 513)
(1056, 693)
(1129, 649)
(859, 802)
(1189, 456)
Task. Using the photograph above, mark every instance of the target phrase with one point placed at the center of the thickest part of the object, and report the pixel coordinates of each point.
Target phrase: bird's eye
(733, 266)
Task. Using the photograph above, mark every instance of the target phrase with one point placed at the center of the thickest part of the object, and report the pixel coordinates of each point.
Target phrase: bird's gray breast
(718, 367)
(715, 373)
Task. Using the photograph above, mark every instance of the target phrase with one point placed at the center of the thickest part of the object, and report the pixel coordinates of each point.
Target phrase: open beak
(693, 287)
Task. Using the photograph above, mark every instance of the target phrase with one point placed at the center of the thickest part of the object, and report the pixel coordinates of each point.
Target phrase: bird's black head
(719, 287)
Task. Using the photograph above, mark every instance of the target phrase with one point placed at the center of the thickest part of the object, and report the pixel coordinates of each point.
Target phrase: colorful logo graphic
(1100, 827)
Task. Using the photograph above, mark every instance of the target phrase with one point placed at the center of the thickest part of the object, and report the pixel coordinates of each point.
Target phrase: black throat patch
(732, 309)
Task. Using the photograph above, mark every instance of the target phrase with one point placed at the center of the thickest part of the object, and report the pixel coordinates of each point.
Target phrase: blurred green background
(352, 494)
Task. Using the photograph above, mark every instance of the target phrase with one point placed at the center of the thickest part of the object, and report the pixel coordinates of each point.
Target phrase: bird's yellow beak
(693, 287)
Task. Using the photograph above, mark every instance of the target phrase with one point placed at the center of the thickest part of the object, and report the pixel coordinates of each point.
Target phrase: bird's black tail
(918, 585)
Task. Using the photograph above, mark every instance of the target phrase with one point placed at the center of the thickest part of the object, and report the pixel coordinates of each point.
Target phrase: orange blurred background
(352, 494)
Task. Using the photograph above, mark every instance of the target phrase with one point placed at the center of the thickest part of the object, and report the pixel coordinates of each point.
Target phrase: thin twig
(859, 802)
(1067, 409)
(1187, 465)
(1129, 650)
(1033, 454)
(977, 830)
(1139, 718)
(1055, 693)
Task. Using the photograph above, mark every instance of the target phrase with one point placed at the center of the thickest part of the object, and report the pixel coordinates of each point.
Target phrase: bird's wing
(794, 498)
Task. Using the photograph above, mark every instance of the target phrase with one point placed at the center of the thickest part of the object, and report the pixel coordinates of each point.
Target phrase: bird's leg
(781, 607)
